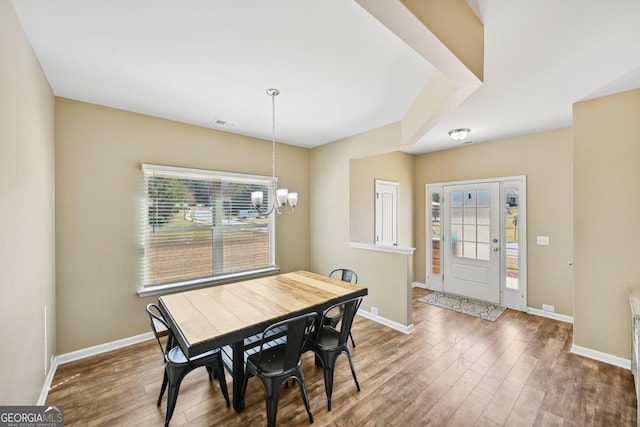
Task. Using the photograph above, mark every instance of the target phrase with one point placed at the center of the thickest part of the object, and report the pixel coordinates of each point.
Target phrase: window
(435, 232)
(200, 226)
(512, 197)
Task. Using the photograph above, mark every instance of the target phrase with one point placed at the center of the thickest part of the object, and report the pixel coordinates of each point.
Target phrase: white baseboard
(549, 315)
(86, 352)
(53, 366)
(103, 348)
(384, 321)
(419, 285)
(602, 357)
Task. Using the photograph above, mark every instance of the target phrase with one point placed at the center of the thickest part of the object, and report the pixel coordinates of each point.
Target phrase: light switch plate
(543, 240)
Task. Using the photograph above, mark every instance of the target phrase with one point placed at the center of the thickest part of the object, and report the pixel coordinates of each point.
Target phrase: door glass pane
(456, 199)
(512, 232)
(456, 247)
(456, 232)
(484, 198)
(470, 198)
(483, 216)
(469, 249)
(469, 215)
(483, 233)
(456, 215)
(469, 233)
(435, 233)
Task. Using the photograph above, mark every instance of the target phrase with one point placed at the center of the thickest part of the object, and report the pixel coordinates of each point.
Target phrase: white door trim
(434, 282)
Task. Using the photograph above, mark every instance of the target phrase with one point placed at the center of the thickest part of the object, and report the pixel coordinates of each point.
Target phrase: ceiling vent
(224, 123)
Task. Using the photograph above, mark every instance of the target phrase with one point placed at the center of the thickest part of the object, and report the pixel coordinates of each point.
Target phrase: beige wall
(385, 275)
(98, 155)
(395, 167)
(546, 160)
(455, 24)
(606, 213)
(27, 257)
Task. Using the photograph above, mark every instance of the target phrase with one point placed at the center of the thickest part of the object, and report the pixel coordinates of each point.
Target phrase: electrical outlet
(547, 307)
(374, 310)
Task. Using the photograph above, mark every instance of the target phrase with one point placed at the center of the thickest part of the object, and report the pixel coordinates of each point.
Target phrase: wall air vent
(224, 123)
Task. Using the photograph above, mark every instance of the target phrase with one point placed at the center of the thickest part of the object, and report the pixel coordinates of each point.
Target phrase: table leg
(238, 375)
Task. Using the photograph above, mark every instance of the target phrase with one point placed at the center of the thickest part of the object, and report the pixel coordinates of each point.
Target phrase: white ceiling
(340, 71)
(541, 56)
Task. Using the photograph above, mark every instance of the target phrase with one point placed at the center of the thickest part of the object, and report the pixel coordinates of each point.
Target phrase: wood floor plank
(508, 391)
(471, 409)
(526, 408)
(542, 374)
(547, 419)
(446, 407)
(502, 366)
(454, 370)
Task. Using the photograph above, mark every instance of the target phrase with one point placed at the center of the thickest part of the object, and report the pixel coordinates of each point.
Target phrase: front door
(471, 239)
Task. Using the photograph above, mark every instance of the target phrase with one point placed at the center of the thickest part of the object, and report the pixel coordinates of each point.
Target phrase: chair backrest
(349, 309)
(160, 327)
(346, 275)
(297, 333)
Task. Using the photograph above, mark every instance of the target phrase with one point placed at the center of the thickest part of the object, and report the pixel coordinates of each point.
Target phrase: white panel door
(386, 213)
(471, 240)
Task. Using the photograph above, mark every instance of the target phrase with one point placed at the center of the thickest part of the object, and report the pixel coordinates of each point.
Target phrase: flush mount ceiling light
(281, 197)
(459, 134)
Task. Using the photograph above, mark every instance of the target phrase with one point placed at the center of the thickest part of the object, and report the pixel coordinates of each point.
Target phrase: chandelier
(282, 200)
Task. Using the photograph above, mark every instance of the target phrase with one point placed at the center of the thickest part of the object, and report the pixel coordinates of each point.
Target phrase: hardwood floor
(454, 370)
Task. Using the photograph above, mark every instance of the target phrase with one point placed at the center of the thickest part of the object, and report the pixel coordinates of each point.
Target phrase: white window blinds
(200, 226)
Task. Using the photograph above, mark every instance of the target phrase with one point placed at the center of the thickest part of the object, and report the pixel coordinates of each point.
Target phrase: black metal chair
(275, 363)
(346, 275)
(177, 365)
(330, 342)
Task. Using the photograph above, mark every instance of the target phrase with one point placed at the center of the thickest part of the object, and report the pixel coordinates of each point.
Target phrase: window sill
(203, 283)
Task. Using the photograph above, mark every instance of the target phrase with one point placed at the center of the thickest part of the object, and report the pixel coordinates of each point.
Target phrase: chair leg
(352, 341)
(175, 378)
(223, 384)
(243, 390)
(272, 411)
(272, 391)
(328, 361)
(353, 370)
(303, 391)
(172, 398)
(165, 380)
(211, 372)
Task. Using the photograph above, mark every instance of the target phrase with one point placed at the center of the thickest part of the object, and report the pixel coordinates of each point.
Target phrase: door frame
(516, 299)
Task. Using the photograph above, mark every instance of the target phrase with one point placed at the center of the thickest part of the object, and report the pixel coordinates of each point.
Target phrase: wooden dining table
(228, 316)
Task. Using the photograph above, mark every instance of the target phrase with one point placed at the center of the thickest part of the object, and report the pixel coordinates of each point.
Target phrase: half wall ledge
(380, 248)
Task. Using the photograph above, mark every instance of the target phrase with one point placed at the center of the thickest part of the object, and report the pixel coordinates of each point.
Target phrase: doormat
(472, 307)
